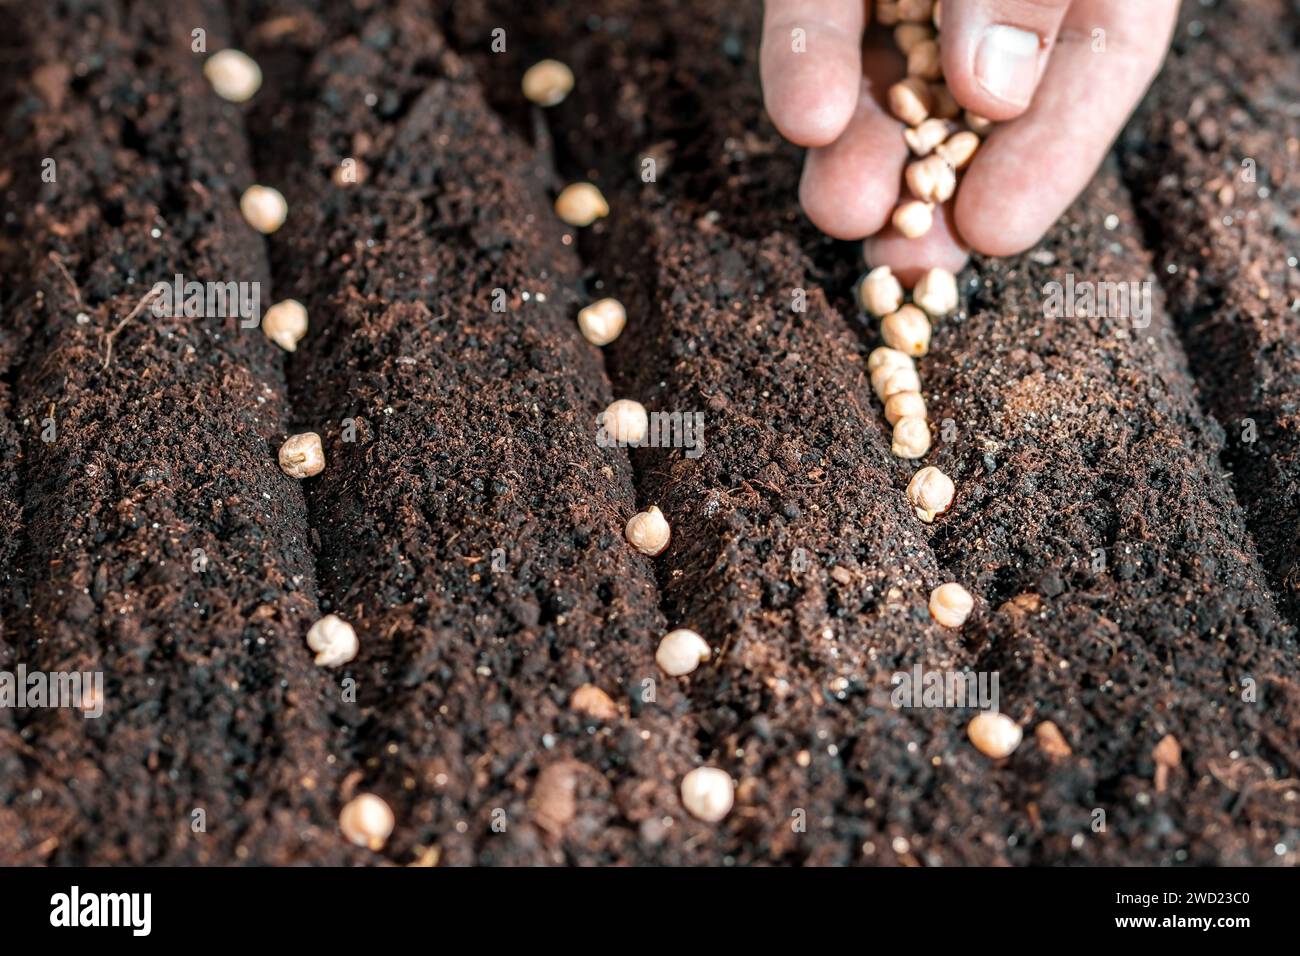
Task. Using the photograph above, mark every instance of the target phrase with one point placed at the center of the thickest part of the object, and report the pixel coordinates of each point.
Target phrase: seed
(581, 204)
(285, 323)
(881, 292)
(1051, 741)
(910, 100)
(234, 75)
(915, 11)
(883, 356)
(590, 699)
(951, 604)
(602, 321)
(367, 821)
(1167, 755)
(908, 35)
(911, 437)
(264, 208)
(681, 651)
(931, 179)
(936, 17)
(625, 421)
(978, 124)
(301, 456)
(923, 61)
(886, 12)
(708, 793)
(958, 148)
(904, 404)
(547, 82)
(922, 139)
(334, 641)
(942, 103)
(913, 218)
(889, 382)
(936, 292)
(994, 735)
(907, 330)
(930, 492)
(648, 531)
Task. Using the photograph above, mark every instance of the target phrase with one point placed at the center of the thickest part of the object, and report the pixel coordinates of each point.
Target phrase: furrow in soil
(793, 549)
(164, 548)
(470, 526)
(1213, 159)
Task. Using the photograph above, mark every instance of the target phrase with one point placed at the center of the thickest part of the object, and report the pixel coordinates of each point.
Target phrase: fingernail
(1006, 63)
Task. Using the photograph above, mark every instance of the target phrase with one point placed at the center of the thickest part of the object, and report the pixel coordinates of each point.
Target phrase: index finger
(811, 65)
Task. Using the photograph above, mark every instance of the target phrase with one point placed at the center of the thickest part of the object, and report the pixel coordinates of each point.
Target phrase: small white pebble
(681, 652)
(648, 531)
(264, 208)
(951, 604)
(367, 821)
(285, 323)
(334, 640)
(602, 321)
(548, 82)
(581, 204)
(234, 75)
(301, 456)
(994, 735)
(708, 794)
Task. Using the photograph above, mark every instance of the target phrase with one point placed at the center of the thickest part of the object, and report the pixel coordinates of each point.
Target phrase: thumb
(994, 51)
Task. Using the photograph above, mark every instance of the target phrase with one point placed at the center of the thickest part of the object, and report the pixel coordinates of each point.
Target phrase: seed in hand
(910, 100)
(931, 179)
(913, 218)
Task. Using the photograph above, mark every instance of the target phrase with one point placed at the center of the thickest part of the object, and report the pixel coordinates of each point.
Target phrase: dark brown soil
(1134, 562)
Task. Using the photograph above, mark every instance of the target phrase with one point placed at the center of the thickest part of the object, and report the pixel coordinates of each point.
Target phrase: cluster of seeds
(941, 146)
(905, 327)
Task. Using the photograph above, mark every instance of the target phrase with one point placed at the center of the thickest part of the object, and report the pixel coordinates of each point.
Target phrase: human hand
(1060, 77)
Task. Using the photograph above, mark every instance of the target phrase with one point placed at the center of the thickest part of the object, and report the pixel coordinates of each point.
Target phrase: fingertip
(811, 115)
(845, 210)
(909, 259)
